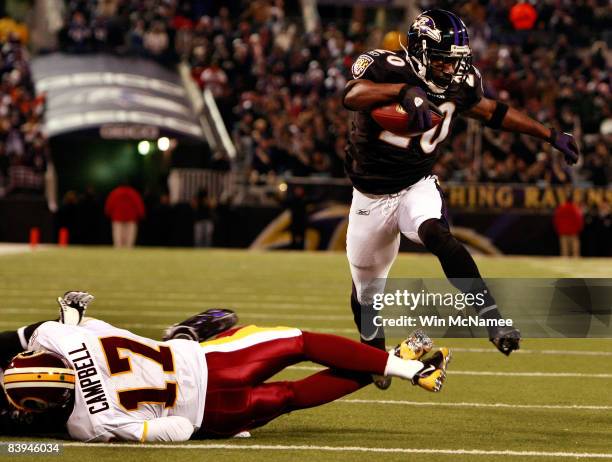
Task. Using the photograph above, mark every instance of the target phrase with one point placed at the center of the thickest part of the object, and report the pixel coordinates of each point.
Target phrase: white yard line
(579, 407)
(278, 447)
(541, 352)
(499, 374)
(572, 268)
(12, 249)
(534, 374)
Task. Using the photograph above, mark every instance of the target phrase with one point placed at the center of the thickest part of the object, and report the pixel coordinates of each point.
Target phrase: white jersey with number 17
(127, 384)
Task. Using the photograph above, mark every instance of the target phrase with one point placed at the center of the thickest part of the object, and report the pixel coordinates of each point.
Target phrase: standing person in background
(125, 208)
(296, 203)
(204, 225)
(568, 223)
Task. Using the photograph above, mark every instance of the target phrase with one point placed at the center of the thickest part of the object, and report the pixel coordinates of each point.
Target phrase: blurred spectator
(125, 208)
(215, 79)
(23, 145)
(155, 40)
(91, 217)
(296, 203)
(204, 226)
(568, 223)
(599, 165)
(68, 216)
(158, 222)
(79, 33)
(597, 237)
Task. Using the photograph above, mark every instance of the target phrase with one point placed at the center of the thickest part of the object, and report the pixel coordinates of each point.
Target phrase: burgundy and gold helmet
(38, 381)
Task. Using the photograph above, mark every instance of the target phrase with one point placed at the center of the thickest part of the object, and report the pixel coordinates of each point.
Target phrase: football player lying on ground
(394, 189)
(112, 385)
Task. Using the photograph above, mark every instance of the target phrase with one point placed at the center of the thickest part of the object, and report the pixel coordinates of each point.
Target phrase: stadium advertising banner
(504, 196)
(118, 97)
(482, 196)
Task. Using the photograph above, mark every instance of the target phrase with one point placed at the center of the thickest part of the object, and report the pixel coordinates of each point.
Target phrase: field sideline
(550, 401)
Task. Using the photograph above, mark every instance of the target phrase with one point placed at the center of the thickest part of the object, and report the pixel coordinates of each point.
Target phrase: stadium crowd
(138, 27)
(23, 146)
(279, 88)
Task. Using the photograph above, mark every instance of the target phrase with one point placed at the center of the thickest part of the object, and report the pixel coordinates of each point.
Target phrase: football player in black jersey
(394, 190)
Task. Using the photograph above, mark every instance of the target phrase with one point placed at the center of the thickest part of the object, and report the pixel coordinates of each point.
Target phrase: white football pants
(375, 224)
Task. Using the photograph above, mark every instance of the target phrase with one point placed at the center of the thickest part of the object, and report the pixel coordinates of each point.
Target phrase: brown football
(393, 118)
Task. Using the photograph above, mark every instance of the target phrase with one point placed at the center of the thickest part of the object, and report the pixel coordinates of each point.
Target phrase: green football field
(550, 401)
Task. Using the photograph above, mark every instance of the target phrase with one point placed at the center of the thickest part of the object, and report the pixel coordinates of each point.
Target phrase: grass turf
(144, 290)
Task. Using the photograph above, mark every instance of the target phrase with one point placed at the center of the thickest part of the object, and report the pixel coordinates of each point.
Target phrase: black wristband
(403, 90)
(553, 136)
(498, 116)
(29, 330)
(10, 345)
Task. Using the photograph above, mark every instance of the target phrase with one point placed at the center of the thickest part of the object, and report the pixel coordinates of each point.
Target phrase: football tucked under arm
(395, 119)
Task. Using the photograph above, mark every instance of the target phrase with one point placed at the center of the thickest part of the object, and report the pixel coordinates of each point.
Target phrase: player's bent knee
(436, 236)
(367, 281)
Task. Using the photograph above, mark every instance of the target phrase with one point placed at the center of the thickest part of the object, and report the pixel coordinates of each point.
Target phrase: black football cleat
(506, 339)
(202, 326)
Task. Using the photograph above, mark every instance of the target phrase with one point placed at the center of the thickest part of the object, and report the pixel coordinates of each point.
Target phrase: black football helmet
(439, 36)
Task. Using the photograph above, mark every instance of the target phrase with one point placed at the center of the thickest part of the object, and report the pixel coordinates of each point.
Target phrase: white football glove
(73, 306)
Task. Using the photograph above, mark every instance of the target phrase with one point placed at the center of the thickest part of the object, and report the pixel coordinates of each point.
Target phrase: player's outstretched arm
(13, 342)
(72, 308)
(362, 95)
(498, 115)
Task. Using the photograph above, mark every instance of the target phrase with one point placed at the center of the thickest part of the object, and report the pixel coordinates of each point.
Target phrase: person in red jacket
(568, 223)
(125, 208)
